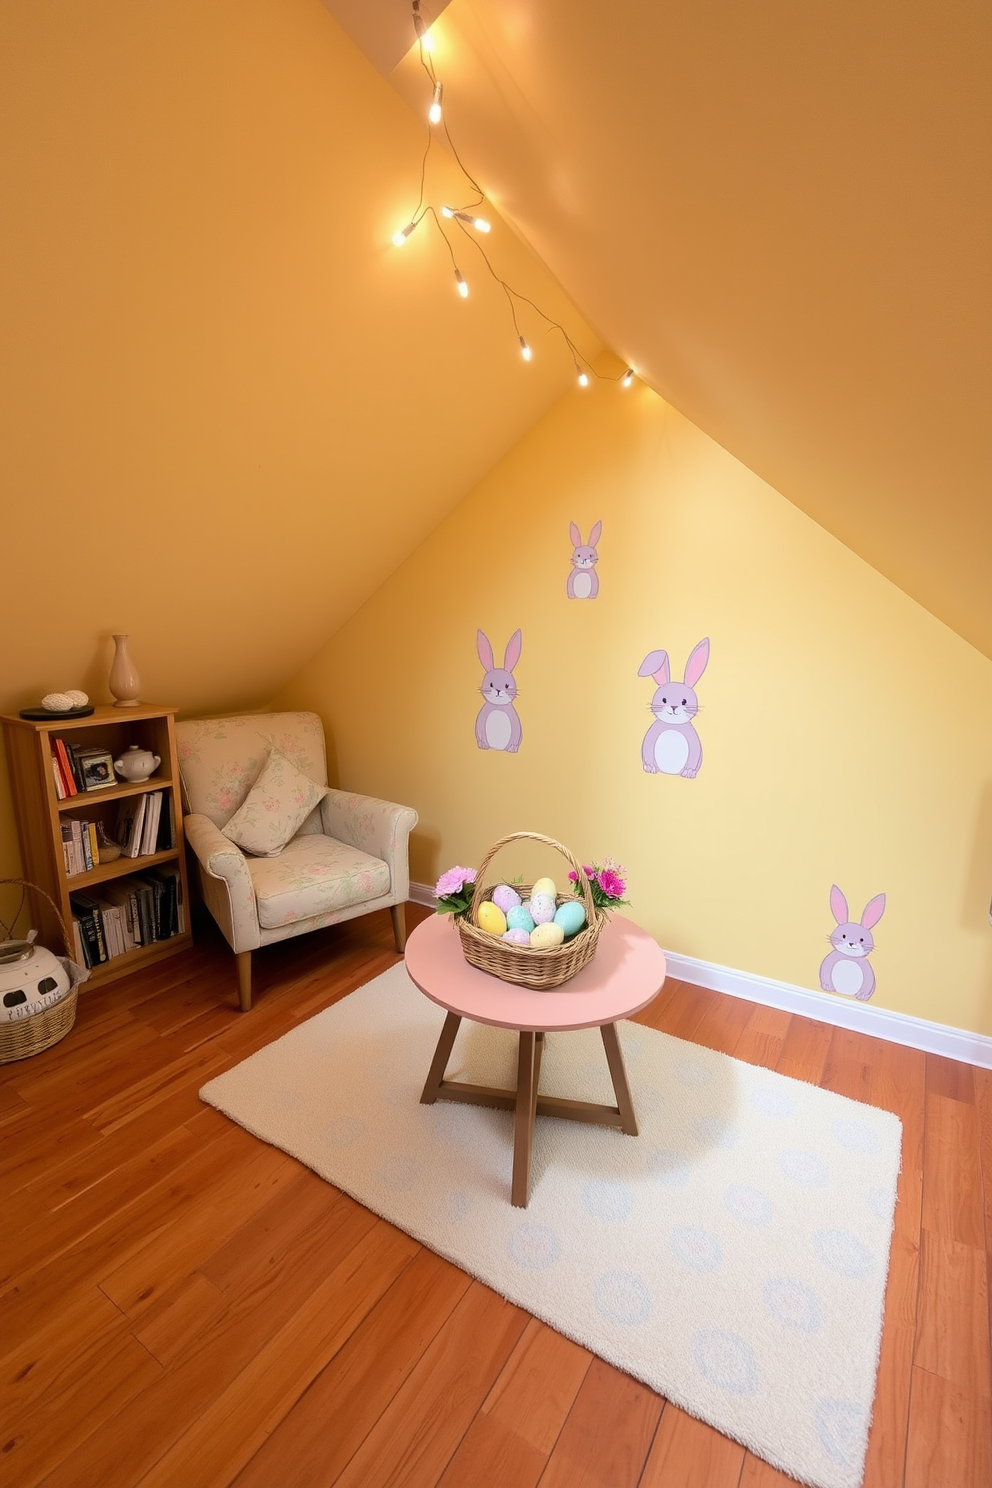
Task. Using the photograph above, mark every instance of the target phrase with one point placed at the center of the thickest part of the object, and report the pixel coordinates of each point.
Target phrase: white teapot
(137, 764)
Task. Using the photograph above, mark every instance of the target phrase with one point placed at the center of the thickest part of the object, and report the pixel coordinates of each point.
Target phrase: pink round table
(626, 973)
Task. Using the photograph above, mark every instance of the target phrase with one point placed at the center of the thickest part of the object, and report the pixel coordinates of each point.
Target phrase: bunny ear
(696, 665)
(594, 535)
(575, 535)
(655, 665)
(838, 905)
(874, 910)
(485, 651)
(512, 652)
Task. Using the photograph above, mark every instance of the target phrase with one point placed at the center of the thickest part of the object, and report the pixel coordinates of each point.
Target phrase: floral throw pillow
(276, 806)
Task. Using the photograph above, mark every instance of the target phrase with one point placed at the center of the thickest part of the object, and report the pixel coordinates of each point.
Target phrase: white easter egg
(79, 699)
(57, 702)
(542, 908)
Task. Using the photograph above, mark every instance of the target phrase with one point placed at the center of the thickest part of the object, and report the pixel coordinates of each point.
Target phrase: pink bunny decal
(498, 725)
(583, 581)
(846, 969)
(671, 745)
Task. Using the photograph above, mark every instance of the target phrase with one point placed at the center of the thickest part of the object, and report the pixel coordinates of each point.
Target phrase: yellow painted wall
(847, 733)
(229, 407)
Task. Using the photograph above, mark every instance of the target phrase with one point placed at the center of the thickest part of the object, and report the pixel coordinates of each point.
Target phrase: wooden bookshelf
(40, 814)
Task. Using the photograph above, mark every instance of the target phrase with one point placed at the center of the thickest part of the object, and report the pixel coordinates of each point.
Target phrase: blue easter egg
(520, 918)
(571, 916)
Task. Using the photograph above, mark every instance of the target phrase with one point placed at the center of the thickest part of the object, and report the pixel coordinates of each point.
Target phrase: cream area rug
(733, 1256)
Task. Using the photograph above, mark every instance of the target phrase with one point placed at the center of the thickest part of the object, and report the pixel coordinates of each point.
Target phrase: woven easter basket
(31, 1035)
(542, 971)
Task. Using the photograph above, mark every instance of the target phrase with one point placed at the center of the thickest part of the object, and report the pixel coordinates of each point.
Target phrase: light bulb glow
(462, 286)
(481, 225)
(525, 350)
(399, 238)
(448, 212)
(583, 376)
(627, 377)
(434, 112)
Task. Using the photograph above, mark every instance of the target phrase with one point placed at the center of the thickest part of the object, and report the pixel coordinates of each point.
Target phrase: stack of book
(142, 826)
(130, 912)
(79, 846)
(76, 770)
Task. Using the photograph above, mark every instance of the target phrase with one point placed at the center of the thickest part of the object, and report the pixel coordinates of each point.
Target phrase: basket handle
(480, 875)
(25, 883)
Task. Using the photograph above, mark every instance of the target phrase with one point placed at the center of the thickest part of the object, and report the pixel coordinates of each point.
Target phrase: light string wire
(466, 213)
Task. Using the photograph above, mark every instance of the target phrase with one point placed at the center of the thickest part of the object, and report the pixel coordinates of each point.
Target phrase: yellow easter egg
(545, 886)
(491, 918)
(546, 937)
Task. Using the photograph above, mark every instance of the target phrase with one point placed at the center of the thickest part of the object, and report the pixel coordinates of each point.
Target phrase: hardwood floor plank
(586, 1456)
(804, 1050)
(31, 1370)
(759, 1474)
(950, 1078)
(898, 1084)
(721, 1027)
(849, 1065)
(491, 1452)
(763, 1036)
(419, 1431)
(950, 1436)
(233, 1426)
(537, 1386)
(688, 1452)
(952, 1177)
(953, 1331)
(316, 1439)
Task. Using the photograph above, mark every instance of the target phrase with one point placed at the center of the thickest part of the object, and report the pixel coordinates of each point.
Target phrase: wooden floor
(184, 1305)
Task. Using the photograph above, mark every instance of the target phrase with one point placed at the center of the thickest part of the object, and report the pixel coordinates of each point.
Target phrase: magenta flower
(453, 881)
(611, 883)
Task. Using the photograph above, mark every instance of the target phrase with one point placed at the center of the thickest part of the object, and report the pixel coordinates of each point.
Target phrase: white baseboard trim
(861, 1017)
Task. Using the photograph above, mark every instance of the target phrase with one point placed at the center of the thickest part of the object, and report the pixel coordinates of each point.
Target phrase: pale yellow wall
(847, 733)
(229, 406)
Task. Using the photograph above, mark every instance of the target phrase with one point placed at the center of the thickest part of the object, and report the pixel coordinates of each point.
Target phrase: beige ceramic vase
(123, 680)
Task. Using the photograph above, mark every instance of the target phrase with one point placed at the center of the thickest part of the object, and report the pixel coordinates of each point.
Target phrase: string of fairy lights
(466, 219)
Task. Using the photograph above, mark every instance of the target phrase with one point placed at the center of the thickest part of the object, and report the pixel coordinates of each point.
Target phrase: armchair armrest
(380, 828)
(226, 882)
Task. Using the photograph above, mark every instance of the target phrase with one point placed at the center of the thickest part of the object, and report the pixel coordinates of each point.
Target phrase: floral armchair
(347, 858)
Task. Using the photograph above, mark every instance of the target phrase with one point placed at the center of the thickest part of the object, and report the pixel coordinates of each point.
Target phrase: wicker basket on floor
(31, 1035)
(542, 971)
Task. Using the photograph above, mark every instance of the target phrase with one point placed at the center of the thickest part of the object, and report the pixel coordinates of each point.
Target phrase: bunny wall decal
(498, 724)
(583, 581)
(671, 745)
(846, 969)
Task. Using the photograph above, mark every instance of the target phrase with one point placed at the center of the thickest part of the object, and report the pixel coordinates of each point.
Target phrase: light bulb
(525, 350)
(627, 377)
(481, 225)
(427, 41)
(462, 286)
(583, 376)
(448, 212)
(399, 238)
(434, 112)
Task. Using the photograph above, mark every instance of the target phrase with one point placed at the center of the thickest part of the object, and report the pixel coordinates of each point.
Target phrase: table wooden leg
(614, 1058)
(440, 1061)
(523, 1126)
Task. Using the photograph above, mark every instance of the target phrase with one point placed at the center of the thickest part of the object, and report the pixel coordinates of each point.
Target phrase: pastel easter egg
(520, 918)
(517, 937)
(571, 916)
(505, 898)
(491, 918)
(545, 937)
(545, 886)
(542, 908)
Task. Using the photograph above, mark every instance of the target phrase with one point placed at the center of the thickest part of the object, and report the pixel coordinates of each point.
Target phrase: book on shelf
(130, 824)
(149, 831)
(65, 765)
(77, 944)
(60, 791)
(127, 913)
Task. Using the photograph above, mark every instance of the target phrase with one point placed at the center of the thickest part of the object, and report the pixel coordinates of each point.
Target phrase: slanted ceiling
(781, 214)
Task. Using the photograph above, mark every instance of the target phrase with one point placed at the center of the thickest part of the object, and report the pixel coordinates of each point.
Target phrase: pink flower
(453, 881)
(611, 884)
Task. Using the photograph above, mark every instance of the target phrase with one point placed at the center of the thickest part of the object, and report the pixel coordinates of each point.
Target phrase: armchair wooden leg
(243, 958)
(398, 912)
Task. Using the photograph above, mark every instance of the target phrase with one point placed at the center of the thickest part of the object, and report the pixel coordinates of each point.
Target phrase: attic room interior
(526, 460)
